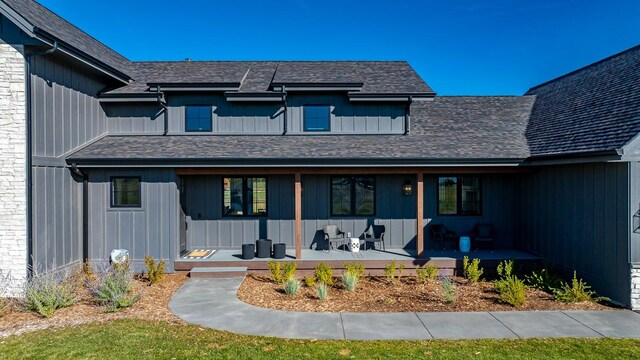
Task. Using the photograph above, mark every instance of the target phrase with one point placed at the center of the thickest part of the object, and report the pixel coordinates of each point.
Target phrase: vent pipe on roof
(407, 116)
(187, 59)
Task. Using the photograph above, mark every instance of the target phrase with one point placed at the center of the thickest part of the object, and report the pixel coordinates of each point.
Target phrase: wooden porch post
(298, 215)
(420, 216)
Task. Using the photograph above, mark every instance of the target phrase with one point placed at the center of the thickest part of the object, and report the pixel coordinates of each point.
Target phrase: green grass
(136, 339)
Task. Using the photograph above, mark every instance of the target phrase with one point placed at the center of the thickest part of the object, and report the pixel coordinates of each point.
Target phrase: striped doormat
(198, 254)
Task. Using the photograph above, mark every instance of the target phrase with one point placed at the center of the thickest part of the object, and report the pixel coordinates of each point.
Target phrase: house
(99, 153)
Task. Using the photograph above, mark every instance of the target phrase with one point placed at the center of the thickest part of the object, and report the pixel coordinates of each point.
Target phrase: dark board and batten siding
(578, 216)
(498, 208)
(151, 229)
(256, 117)
(634, 248)
(208, 228)
(228, 118)
(57, 219)
(66, 115)
(135, 119)
(66, 112)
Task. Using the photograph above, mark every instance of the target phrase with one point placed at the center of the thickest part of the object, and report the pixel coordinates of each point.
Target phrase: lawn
(134, 339)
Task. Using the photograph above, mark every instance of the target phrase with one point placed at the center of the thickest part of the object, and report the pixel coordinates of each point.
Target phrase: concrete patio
(213, 303)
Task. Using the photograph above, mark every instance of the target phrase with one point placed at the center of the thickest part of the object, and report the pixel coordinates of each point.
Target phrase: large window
(317, 118)
(459, 195)
(125, 191)
(197, 118)
(245, 196)
(353, 196)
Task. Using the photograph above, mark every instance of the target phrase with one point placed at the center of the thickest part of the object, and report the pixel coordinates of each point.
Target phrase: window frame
(186, 110)
(244, 196)
(352, 205)
(459, 195)
(304, 117)
(112, 203)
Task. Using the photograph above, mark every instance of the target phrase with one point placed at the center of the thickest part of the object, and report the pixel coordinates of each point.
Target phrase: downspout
(29, 152)
(284, 101)
(85, 210)
(166, 110)
(407, 116)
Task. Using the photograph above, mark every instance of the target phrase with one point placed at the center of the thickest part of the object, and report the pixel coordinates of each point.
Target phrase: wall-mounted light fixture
(407, 188)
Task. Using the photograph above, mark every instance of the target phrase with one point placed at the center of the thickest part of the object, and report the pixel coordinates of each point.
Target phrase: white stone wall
(13, 220)
(635, 287)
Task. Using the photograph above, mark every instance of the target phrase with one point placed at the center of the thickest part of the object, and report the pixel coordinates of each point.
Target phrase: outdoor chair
(483, 234)
(333, 235)
(374, 234)
(439, 232)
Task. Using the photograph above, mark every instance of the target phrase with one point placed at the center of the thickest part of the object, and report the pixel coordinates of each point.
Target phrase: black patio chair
(439, 232)
(333, 235)
(484, 234)
(374, 234)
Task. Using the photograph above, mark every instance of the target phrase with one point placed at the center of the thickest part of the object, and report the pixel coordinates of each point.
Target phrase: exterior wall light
(407, 188)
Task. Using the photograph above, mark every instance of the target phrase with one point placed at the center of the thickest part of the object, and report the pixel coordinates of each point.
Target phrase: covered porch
(298, 203)
(448, 261)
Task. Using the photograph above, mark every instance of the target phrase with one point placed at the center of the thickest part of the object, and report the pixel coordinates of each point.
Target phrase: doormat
(198, 254)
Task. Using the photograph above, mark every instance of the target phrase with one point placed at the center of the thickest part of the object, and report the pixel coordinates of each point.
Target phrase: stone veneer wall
(635, 287)
(13, 220)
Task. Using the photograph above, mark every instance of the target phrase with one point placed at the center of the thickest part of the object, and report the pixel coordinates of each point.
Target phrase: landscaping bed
(378, 294)
(152, 305)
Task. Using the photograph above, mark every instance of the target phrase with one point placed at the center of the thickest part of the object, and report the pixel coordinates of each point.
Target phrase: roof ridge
(76, 27)
(268, 61)
(631, 49)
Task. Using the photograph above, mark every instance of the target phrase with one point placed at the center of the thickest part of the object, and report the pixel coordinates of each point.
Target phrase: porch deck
(374, 260)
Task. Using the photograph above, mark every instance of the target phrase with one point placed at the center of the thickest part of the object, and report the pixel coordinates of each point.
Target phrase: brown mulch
(377, 294)
(153, 305)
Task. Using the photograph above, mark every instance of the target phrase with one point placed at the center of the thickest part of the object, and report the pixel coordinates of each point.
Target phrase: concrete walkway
(213, 303)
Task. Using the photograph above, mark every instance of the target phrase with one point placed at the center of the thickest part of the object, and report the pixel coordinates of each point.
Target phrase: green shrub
(354, 269)
(291, 286)
(449, 290)
(390, 271)
(512, 290)
(289, 270)
(429, 272)
(276, 271)
(48, 291)
(578, 291)
(113, 286)
(471, 269)
(505, 269)
(544, 280)
(324, 274)
(310, 281)
(393, 272)
(154, 272)
(349, 280)
(322, 290)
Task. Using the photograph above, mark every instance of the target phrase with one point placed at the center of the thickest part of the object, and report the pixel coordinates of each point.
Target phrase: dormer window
(317, 118)
(197, 118)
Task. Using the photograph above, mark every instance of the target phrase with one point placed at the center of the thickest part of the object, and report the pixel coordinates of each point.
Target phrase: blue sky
(458, 47)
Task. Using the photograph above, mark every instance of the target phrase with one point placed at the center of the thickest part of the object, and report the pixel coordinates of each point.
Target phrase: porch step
(218, 272)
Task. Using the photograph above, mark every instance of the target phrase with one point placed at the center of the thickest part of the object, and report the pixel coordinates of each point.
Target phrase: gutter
(165, 108)
(407, 116)
(29, 173)
(85, 210)
(285, 120)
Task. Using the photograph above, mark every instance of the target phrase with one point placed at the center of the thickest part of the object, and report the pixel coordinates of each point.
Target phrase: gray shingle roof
(46, 20)
(376, 77)
(446, 129)
(596, 108)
